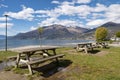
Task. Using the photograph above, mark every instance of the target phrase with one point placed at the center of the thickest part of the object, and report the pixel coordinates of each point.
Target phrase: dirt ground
(9, 75)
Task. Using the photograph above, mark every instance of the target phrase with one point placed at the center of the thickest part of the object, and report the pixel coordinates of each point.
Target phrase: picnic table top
(34, 49)
(84, 43)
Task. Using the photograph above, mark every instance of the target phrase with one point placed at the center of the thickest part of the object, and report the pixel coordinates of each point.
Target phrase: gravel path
(115, 45)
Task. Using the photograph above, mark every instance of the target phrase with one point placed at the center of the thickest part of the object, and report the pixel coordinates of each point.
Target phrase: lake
(20, 43)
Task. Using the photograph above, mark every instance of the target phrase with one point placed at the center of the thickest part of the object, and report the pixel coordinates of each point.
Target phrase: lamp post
(6, 33)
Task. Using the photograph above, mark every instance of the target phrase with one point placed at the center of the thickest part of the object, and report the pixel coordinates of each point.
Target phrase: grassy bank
(5, 54)
(101, 64)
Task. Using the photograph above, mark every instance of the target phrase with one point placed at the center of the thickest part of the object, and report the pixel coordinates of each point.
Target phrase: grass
(86, 66)
(91, 67)
(5, 54)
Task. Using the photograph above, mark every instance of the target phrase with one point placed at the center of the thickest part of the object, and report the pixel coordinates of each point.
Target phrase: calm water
(19, 43)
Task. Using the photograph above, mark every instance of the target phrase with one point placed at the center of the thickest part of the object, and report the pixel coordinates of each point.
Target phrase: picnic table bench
(29, 52)
(84, 47)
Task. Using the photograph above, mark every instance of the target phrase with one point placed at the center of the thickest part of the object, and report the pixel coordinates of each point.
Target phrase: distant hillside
(112, 29)
(53, 32)
(63, 32)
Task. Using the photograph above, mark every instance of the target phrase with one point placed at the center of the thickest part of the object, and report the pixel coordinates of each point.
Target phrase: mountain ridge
(53, 32)
(63, 32)
(111, 26)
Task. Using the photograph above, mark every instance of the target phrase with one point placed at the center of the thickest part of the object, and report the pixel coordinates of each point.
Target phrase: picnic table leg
(86, 49)
(30, 69)
(57, 61)
(29, 66)
(91, 47)
(77, 48)
(18, 60)
(27, 56)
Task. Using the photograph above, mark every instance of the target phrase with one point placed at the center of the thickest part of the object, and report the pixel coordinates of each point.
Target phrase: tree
(40, 30)
(118, 34)
(101, 34)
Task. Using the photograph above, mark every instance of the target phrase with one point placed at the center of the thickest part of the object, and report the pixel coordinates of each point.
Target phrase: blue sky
(27, 15)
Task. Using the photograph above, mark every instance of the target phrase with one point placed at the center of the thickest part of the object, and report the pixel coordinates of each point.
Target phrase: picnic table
(100, 44)
(45, 51)
(84, 47)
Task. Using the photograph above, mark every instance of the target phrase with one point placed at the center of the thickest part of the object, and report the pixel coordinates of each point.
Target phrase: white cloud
(110, 13)
(68, 22)
(55, 2)
(82, 1)
(67, 3)
(99, 8)
(93, 16)
(48, 21)
(2, 5)
(96, 22)
(113, 13)
(42, 16)
(71, 10)
(4, 19)
(66, 8)
(65, 22)
(3, 25)
(25, 14)
(33, 28)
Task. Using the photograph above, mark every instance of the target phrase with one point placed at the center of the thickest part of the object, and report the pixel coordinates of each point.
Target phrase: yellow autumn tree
(101, 34)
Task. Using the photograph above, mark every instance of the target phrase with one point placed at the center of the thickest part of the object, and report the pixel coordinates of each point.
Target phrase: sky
(27, 15)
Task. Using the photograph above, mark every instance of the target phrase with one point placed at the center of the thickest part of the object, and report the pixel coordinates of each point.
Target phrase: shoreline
(36, 46)
(27, 47)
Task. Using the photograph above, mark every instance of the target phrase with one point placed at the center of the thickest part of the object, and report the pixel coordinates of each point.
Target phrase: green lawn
(87, 66)
(93, 66)
(4, 55)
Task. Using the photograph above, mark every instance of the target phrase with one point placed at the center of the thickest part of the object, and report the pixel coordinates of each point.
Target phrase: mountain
(53, 32)
(111, 26)
(2, 37)
(63, 32)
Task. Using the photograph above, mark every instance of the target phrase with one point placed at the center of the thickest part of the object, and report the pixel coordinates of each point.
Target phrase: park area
(100, 64)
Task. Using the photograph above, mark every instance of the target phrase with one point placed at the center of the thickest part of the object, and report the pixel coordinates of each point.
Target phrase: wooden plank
(24, 51)
(45, 59)
(42, 60)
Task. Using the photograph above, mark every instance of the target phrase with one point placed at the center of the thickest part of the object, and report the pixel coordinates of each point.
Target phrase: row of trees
(101, 34)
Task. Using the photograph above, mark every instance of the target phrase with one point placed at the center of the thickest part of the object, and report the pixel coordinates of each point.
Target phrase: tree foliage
(118, 34)
(40, 30)
(101, 34)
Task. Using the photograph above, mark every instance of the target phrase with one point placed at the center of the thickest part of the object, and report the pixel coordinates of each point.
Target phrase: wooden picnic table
(100, 44)
(84, 47)
(31, 51)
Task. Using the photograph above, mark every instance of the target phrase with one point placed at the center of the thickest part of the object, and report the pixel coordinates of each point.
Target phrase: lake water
(20, 43)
